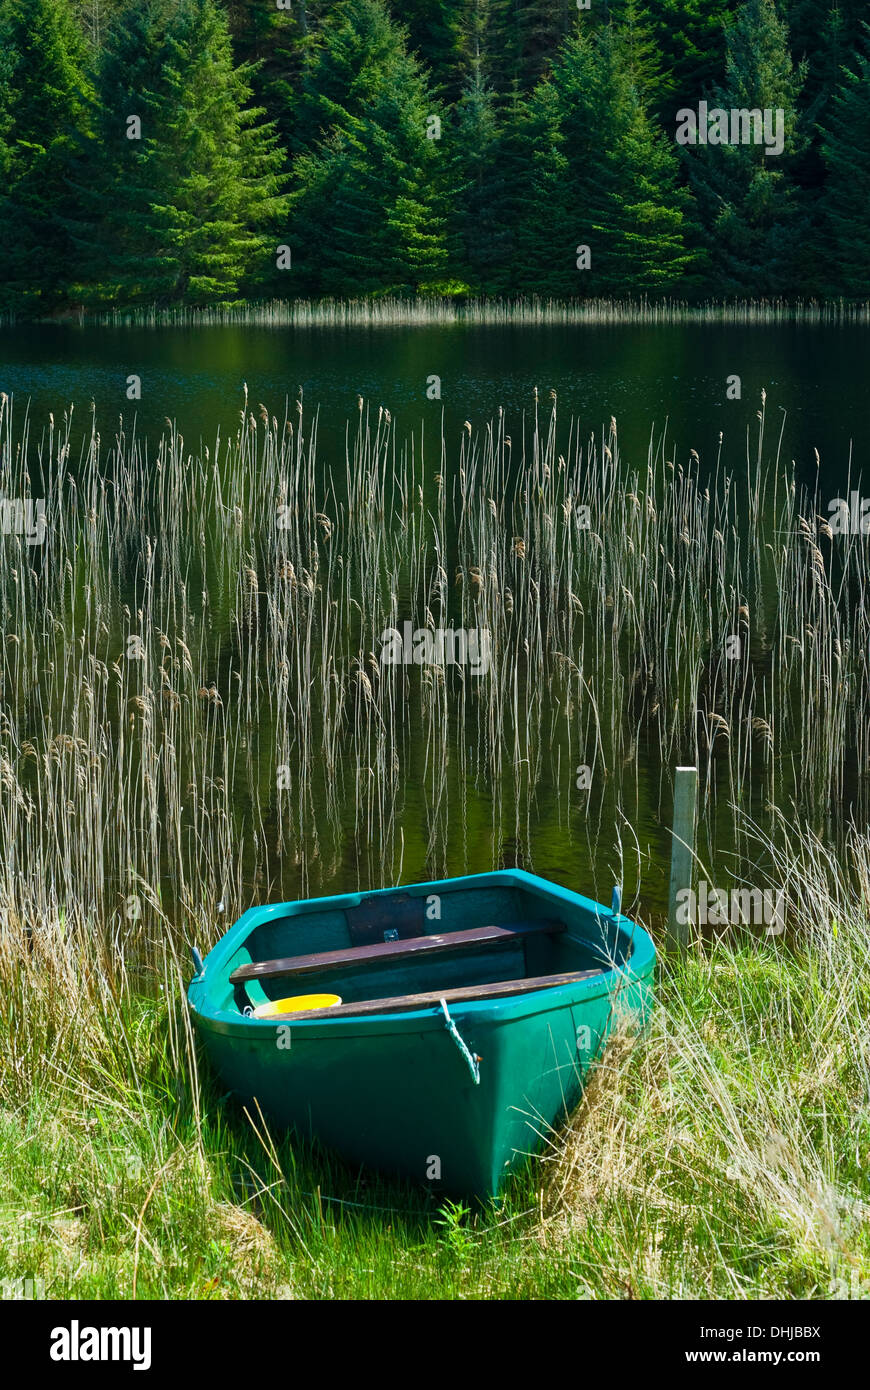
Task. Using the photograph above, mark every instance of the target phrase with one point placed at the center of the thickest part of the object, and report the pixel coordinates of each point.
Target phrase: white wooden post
(682, 851)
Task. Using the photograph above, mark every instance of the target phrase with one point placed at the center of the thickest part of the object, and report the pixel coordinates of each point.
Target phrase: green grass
(725, 1154)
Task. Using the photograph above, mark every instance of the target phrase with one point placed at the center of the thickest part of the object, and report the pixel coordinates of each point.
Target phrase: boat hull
(396, 1091)
(397, 1094)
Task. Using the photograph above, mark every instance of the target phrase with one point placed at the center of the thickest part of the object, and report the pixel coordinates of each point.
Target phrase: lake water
(649, 378)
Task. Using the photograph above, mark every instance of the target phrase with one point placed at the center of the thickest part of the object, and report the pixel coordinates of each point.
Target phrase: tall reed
(401, 311)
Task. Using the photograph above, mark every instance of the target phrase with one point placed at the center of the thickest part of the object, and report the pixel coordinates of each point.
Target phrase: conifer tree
(355, 54)
(523, 38)
(368, 190)
(847, 155)
(8, 57)
(826, 44)
(544, 25)
(472, 23)
(434, 37)
(602, 177)
(551, 220)
(753, 223)
(188, 206)
(828, 37)
(114, 171)
(276, 43)
(643, 58)
(96, 18)
(43, 103)
(480, 217)
(690, 38)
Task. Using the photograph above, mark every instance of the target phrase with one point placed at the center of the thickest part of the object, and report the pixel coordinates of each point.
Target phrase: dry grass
(727, 1154)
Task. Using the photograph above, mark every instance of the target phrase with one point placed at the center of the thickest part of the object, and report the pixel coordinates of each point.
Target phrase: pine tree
(44, 60)
(828, 39)
(643, 57)
(370, 178)
(8, 57)
(434, 37)
(602, 177)
(826, 43)
(472, 24)
(95, 18)
(551, 223)
(522, 40)
(847, 156)
(480, 209)
(690, 37)
(114, 173)
(356, 51)
(753, 224)
(219, 164)
(275, 46)
(189, 209)
(544, 25)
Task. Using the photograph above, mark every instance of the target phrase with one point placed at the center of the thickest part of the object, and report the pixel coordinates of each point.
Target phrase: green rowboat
(470, 1011)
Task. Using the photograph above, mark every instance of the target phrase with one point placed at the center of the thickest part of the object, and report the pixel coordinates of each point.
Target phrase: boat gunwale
(610, 981)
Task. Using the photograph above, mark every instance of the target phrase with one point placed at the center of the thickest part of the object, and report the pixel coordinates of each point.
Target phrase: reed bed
(394, 311)
(195, 710)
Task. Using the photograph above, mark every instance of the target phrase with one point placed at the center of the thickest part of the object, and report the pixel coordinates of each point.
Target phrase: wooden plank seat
(289, 966)
(501, 989)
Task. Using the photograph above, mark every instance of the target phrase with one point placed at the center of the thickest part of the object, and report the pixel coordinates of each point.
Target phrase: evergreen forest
(198, 152)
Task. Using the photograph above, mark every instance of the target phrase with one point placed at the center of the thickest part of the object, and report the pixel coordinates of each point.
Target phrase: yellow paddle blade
(296, 1004)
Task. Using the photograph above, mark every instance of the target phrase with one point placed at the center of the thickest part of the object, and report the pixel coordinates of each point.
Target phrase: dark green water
(650, 379)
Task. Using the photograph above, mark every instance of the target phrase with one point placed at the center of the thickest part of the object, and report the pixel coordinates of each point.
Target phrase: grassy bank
(724, 1155)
